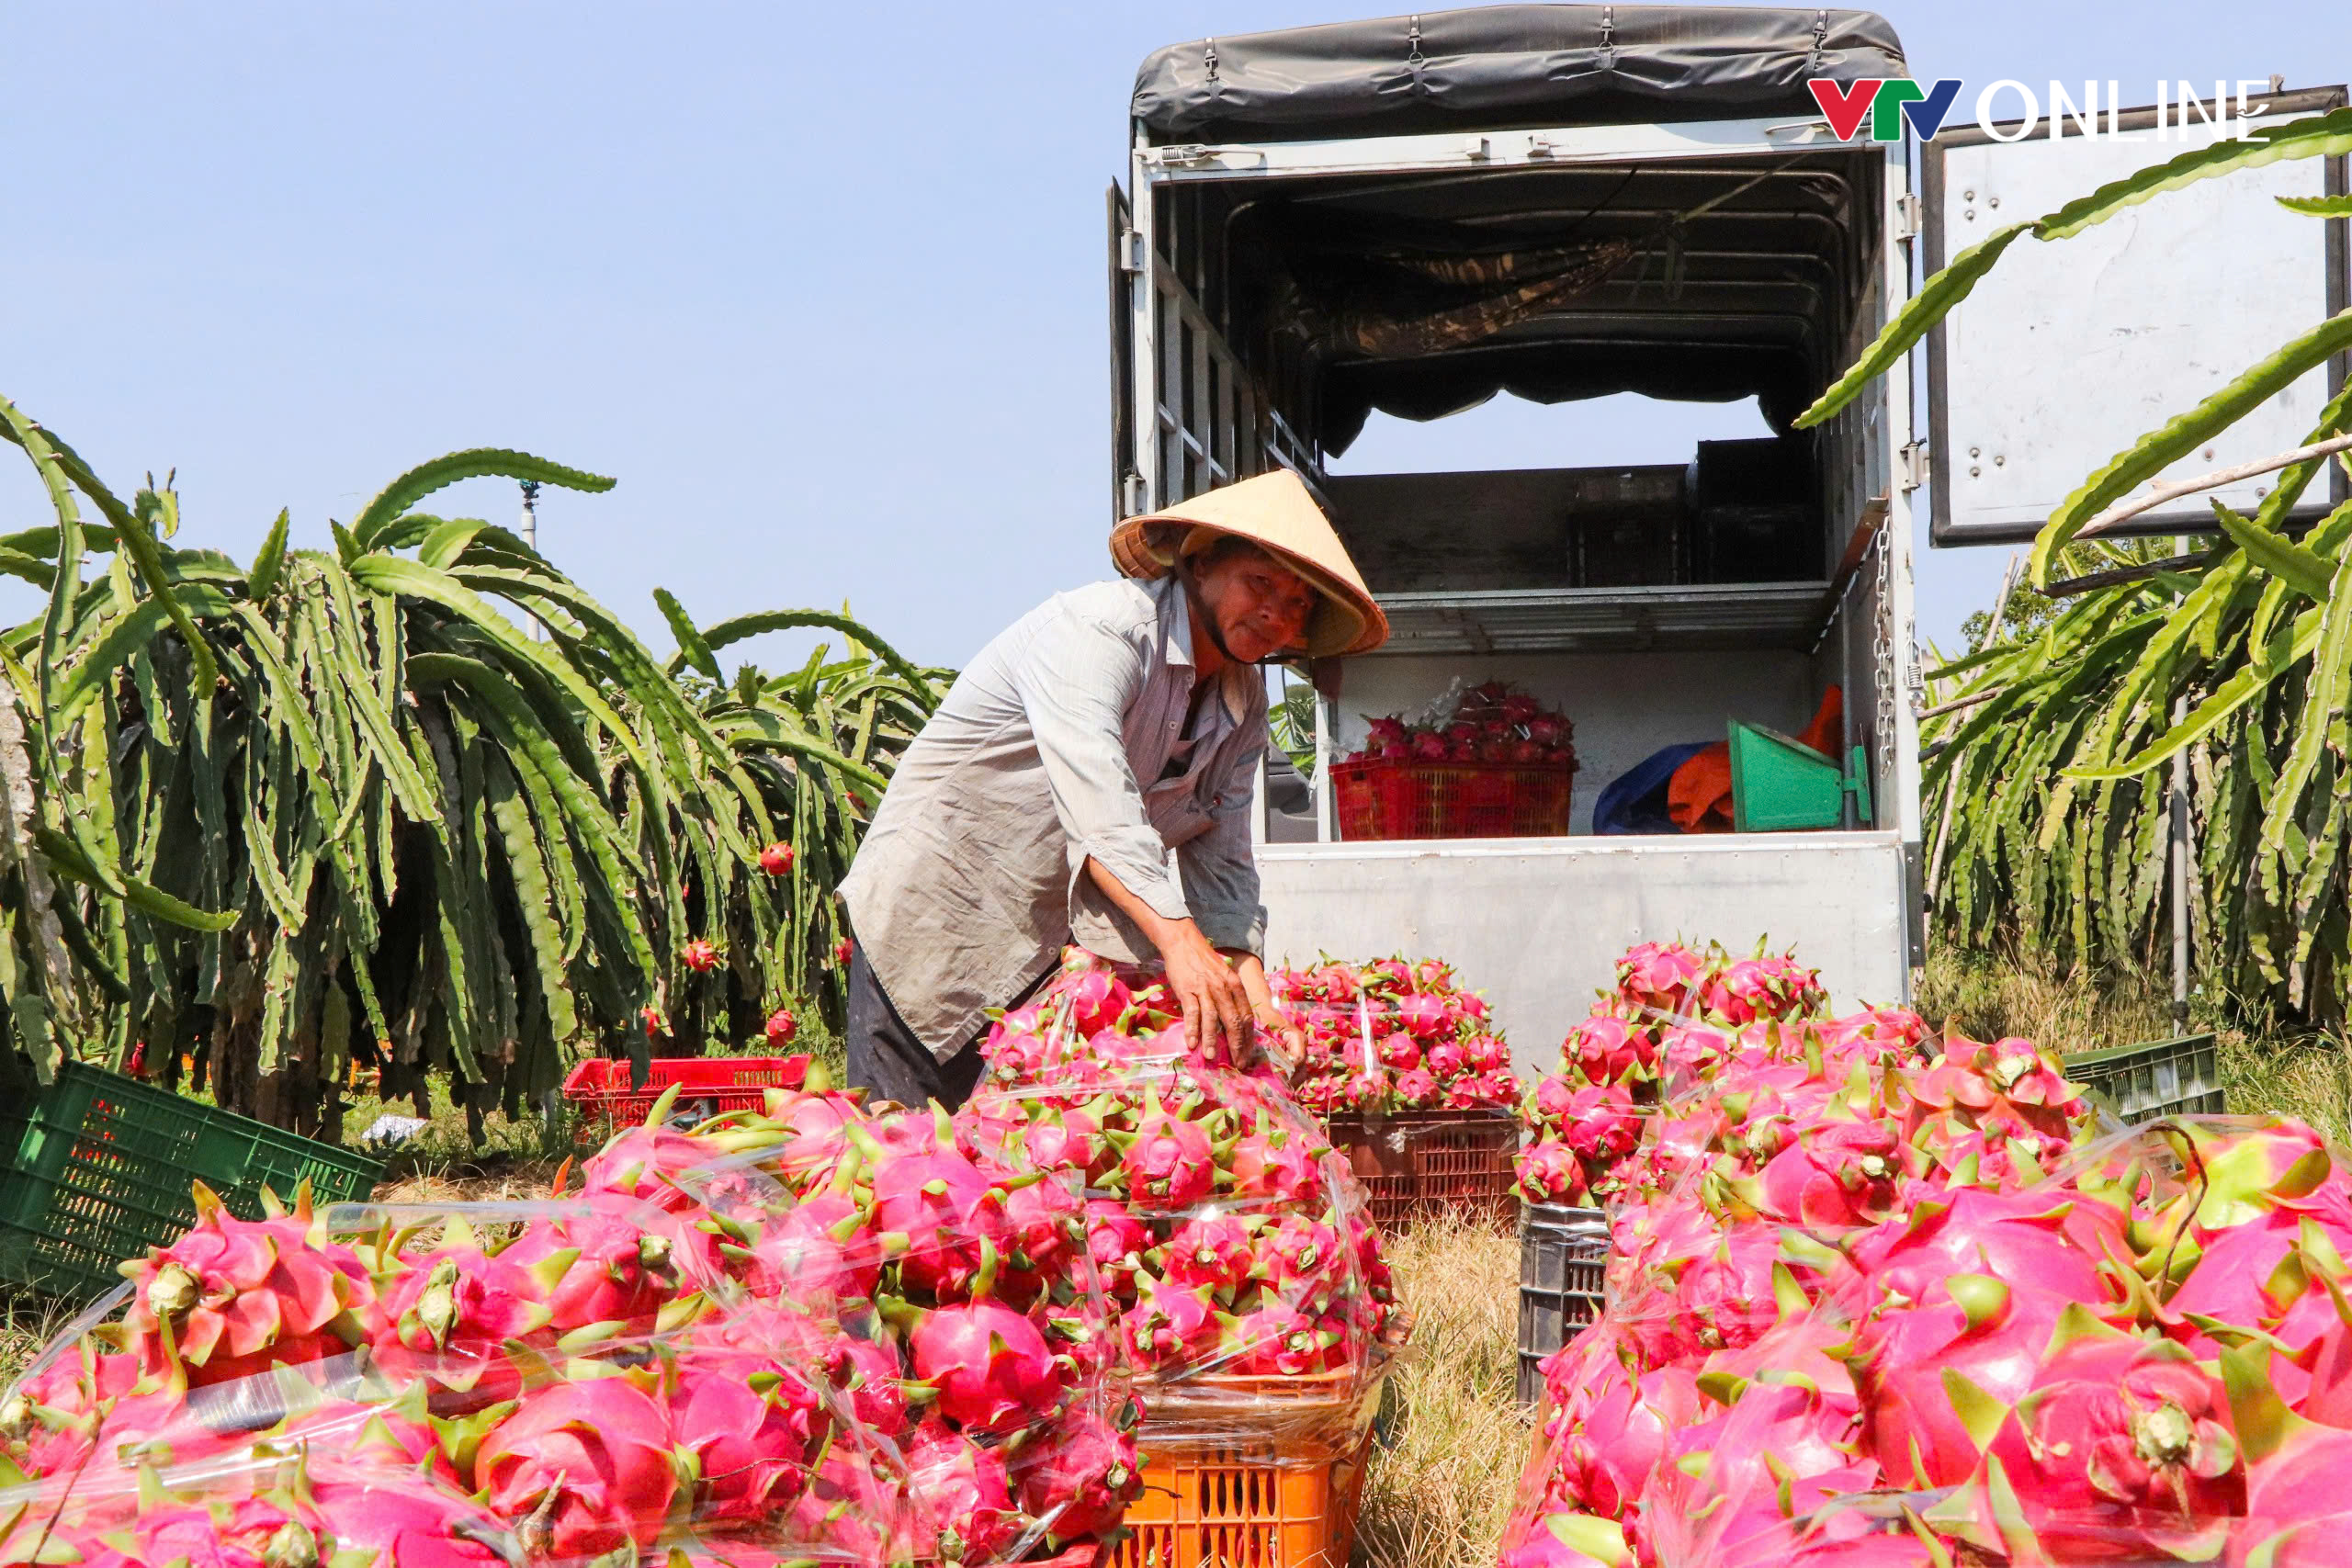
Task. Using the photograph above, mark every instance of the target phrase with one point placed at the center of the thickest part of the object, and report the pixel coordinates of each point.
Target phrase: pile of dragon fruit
(806, 1334)
(1391, 1035)
(1886, 1301)
(1235, 1244)
(1493, 723)
(1666, 1017)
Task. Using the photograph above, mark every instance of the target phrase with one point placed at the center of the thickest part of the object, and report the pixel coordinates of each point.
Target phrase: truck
(1412, 215)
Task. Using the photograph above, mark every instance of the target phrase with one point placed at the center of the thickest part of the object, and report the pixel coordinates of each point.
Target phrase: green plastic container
(1778, 782)
(101, 1167)
(2159, 1077)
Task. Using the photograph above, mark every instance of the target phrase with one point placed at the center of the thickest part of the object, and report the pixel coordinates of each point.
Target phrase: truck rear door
(2068, 351)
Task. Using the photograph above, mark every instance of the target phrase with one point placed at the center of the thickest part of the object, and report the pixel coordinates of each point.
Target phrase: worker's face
(1258, 606)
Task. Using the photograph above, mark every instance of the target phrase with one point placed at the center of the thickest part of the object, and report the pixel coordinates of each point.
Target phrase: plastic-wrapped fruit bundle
(1391, 1035)
(1894, 1303)
(1253, 1303)
(1674, 1016)
(1493, 723)
(801, 1335)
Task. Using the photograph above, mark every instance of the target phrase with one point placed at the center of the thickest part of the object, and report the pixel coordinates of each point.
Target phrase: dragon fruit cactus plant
(801, 1333)
(1391, 1035)
(1882, 1300)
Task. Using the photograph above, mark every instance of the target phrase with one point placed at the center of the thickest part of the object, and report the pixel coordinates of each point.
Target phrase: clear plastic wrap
(1896, 1301)
(800, 1335)
(1252, 1303)
(1394, 1035)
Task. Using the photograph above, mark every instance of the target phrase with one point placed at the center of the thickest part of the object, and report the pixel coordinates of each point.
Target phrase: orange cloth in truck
(1698, 795)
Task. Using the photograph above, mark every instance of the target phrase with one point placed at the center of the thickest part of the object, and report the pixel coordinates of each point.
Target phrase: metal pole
(2179, 825)
(531, 537)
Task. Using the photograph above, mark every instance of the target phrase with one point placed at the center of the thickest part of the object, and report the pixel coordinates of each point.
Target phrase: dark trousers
(887, 1060)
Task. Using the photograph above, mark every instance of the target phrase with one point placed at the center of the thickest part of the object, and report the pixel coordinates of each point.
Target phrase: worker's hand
(1284, 1042)
(1215, 1003)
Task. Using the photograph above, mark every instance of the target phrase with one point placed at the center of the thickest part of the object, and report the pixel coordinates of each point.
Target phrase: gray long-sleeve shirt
(1064, 740)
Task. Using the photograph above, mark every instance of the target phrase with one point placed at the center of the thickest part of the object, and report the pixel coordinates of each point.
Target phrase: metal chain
(1882, 663)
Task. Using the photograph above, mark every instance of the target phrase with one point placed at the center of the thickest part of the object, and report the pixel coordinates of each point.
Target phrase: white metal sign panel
(2069, 351)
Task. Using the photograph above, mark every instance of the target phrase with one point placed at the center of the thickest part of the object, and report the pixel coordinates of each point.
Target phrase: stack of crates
(101, 1167)
(1218, 1510)
(1415, 1164)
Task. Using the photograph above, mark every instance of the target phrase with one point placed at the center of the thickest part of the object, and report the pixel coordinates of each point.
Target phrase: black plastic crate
(1563, 1259)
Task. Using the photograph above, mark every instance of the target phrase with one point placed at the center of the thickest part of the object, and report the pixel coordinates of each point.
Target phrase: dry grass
(2294, 1072)
(1441, 1483)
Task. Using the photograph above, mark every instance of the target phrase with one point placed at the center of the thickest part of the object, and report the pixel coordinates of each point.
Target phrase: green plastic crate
(1777, 783)
(103, 1166)
(2160, 1077)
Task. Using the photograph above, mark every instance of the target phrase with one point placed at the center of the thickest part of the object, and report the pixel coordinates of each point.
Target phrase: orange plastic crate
(1397, 797)
(1218, 1510)
(1416, 1164)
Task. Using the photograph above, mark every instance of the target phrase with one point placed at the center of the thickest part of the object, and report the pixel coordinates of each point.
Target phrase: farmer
(1090, 778)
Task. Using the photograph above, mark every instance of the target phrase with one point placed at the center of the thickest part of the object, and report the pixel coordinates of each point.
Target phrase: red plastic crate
(707, 1085)
(1397, 798)
(1417, 1163)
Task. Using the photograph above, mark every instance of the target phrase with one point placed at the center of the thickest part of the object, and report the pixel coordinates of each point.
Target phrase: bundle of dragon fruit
(1674, 1017)
(1253, 1298)
(802, 1334)
(1892, 1304)
(1493, 723)
(1391, 1035)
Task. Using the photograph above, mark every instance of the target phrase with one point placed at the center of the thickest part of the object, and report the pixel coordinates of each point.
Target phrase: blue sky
(822, 285)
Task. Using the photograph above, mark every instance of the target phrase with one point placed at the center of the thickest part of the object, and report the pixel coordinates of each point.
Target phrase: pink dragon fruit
(1606, 1049)
(1836, 1175)
(2121, 1448)
(1097, 1003)
(868, 1372)
(1275, 1340)
(962, 1488)
(991, 1367)
(581, 1468)
(1300, 1258)
(1447, 1059)
(1118, 1241)
(1276, 1165)
(1600, 1124)
(1212, 1250)
(620, 1273)
(234, 1297)
(2009, 1086)
(1399, 1053)
(377, 1519)
(1548, 1171)
(1078, 1480)
(949, 1215)
(1170, 1326)
(1417, 1088)
(1660, 977)
(1423, 1015)
(1170, 1164)
(1566, 1540)
(450, 1317)
(749, 1421)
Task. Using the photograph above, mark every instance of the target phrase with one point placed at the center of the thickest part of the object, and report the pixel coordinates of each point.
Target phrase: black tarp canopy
(1501, 66)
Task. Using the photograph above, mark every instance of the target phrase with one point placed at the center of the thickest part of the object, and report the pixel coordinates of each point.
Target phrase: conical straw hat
(1276, 511)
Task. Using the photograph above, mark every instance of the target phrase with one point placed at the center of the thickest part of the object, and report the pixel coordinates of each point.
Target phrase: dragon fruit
(749, 1422)
(1169, 1324)
(1078, 1483)
(1170, 1163)
(450, 1317)
(2122, 1447)
(581, 1468)
(411, 1526)
(962, 1490)
(1212, 1250)
(619, 1276)
(948, 1213)
(1277, 1165)
(991, 1366)
(234, 1297)
(776, 859)
(1275, 1340)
